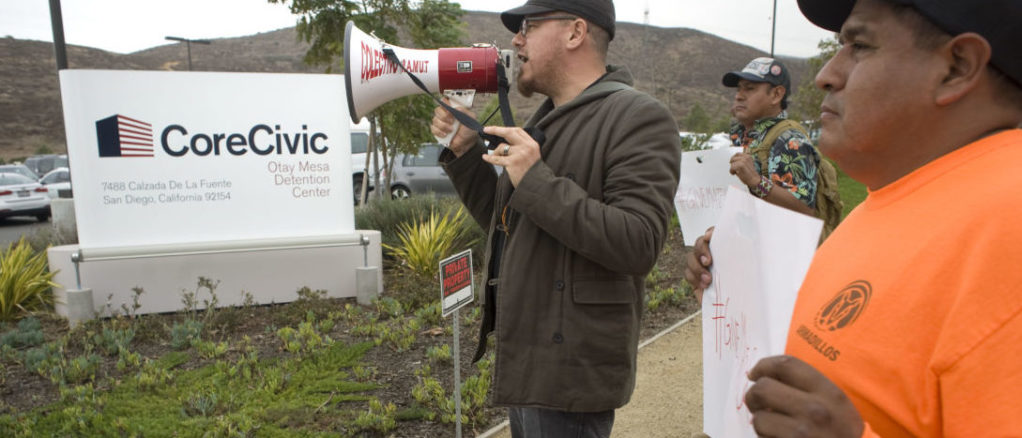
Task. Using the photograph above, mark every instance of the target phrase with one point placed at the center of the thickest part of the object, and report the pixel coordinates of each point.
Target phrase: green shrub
(364, 374)
(25, 281)
(306, 339)
(441, 354)
(29, 333)
(397, 335)
(423, 244)
(78, 370)
(204, 403)
(152, 376)
(210, 349)
(430, 393)
(379, 418)
(387, 215)
(182, 334)
(42, 358)
(388, 307)
(111, 341)
(658, 296)
(430, 315)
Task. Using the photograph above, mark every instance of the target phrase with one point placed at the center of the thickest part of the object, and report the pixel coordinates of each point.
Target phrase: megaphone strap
(492, 141)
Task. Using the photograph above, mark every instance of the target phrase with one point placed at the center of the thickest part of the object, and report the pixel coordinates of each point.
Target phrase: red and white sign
(456, 281)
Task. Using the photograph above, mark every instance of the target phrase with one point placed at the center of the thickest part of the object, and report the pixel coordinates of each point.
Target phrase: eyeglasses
(526, 22)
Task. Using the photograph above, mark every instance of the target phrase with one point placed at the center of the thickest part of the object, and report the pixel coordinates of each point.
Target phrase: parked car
(359, 149)
(420, 173)
(42, 164)
(19, 169)
(56, 180)
(23, 196)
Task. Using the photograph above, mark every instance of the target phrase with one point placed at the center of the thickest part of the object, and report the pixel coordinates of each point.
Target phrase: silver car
(22, 196)
(420, 173)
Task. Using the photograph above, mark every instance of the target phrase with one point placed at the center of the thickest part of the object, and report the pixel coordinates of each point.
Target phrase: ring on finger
(507, 150)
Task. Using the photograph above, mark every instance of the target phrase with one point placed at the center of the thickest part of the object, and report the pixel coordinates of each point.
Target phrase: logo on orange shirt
(845, 307)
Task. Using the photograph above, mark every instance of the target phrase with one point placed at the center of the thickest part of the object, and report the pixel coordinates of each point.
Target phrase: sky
(125, 26)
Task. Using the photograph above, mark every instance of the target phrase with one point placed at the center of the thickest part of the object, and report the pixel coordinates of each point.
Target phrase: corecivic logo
(121, 136)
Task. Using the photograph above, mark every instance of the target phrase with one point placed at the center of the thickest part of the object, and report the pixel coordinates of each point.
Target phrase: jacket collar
(547, 113)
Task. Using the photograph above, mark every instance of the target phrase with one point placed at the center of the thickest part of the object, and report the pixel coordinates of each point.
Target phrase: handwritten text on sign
(705, 177)
(747, 308)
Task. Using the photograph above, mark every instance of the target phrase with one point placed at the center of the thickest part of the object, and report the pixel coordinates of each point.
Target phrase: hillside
(679, 66)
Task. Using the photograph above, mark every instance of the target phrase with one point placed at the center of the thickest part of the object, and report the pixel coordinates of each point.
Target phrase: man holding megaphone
(575, 221)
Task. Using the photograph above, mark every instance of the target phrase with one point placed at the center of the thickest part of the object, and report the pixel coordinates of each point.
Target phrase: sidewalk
(668, 398)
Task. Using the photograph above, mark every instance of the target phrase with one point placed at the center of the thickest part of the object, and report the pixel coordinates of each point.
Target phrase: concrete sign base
(269, 275)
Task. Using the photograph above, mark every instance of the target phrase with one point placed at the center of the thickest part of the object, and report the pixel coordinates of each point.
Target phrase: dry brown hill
(679, 66)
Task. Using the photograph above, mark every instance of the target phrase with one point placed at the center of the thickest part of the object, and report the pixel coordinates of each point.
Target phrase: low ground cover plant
(316, 366)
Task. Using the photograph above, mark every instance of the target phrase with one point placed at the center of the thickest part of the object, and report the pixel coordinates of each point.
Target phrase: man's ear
(578, 34)
(777, 94)
(966, 58)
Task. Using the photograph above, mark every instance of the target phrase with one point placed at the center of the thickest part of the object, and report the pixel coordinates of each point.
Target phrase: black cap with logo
(598, 12)
(764, 69)
(996, 20)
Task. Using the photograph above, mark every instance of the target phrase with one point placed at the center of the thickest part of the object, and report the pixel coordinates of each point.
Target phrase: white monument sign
(181, 157)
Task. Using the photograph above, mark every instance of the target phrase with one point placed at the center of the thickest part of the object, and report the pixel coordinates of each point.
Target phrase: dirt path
(668, 398)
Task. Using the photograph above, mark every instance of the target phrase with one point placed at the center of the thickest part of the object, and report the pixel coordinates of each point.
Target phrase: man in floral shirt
(787, 177)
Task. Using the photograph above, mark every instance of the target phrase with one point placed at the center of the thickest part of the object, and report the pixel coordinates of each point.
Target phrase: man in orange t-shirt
(909, 321)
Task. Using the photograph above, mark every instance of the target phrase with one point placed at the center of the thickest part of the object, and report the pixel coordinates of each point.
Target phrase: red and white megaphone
(371, 79)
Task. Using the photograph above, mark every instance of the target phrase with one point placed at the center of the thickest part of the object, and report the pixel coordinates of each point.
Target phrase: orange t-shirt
(914, 305)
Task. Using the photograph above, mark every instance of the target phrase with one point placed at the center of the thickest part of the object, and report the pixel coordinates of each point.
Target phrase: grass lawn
(852, 192)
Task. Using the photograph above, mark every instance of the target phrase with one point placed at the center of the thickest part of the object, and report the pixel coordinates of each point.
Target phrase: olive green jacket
(585, 226)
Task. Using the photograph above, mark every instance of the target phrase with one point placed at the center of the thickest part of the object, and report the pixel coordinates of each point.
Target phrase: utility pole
(57, 22)
(188, 43)
(773, 31)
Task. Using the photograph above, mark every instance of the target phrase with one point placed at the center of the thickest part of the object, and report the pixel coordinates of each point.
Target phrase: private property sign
(164, 158)
(456, 281)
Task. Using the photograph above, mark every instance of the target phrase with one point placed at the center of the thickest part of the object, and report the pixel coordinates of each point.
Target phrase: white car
(56, 180)
(21, 196)
(18, 168)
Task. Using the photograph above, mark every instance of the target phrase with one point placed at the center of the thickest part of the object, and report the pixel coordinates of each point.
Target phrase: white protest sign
(184, 157)
(705, 178)
(761, 253)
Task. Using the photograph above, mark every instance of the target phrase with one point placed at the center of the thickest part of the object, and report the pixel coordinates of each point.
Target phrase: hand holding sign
(704, 181)
(747, 306)
(790, 397)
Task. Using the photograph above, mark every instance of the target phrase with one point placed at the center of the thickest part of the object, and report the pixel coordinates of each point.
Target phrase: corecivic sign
(172, 157)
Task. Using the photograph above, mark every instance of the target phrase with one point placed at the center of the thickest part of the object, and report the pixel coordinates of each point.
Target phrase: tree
(805, 104)
(697, 120)
(403, 123)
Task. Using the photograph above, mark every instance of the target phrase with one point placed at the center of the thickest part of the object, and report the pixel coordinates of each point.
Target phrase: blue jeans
(548, 423)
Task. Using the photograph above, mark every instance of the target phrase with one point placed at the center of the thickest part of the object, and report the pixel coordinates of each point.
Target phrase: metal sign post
(457, 375)
(455, 292)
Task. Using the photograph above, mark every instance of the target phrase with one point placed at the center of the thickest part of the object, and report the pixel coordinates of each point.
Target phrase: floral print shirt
(793, 159)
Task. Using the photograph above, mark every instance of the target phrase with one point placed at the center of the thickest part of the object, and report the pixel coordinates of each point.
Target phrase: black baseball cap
(996, 20)
(598, 12)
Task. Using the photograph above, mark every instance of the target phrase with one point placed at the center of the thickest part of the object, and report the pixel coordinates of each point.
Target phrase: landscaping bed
(313, 367)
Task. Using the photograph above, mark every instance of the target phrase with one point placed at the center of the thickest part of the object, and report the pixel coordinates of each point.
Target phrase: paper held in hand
(705, 177)
(761, 253)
